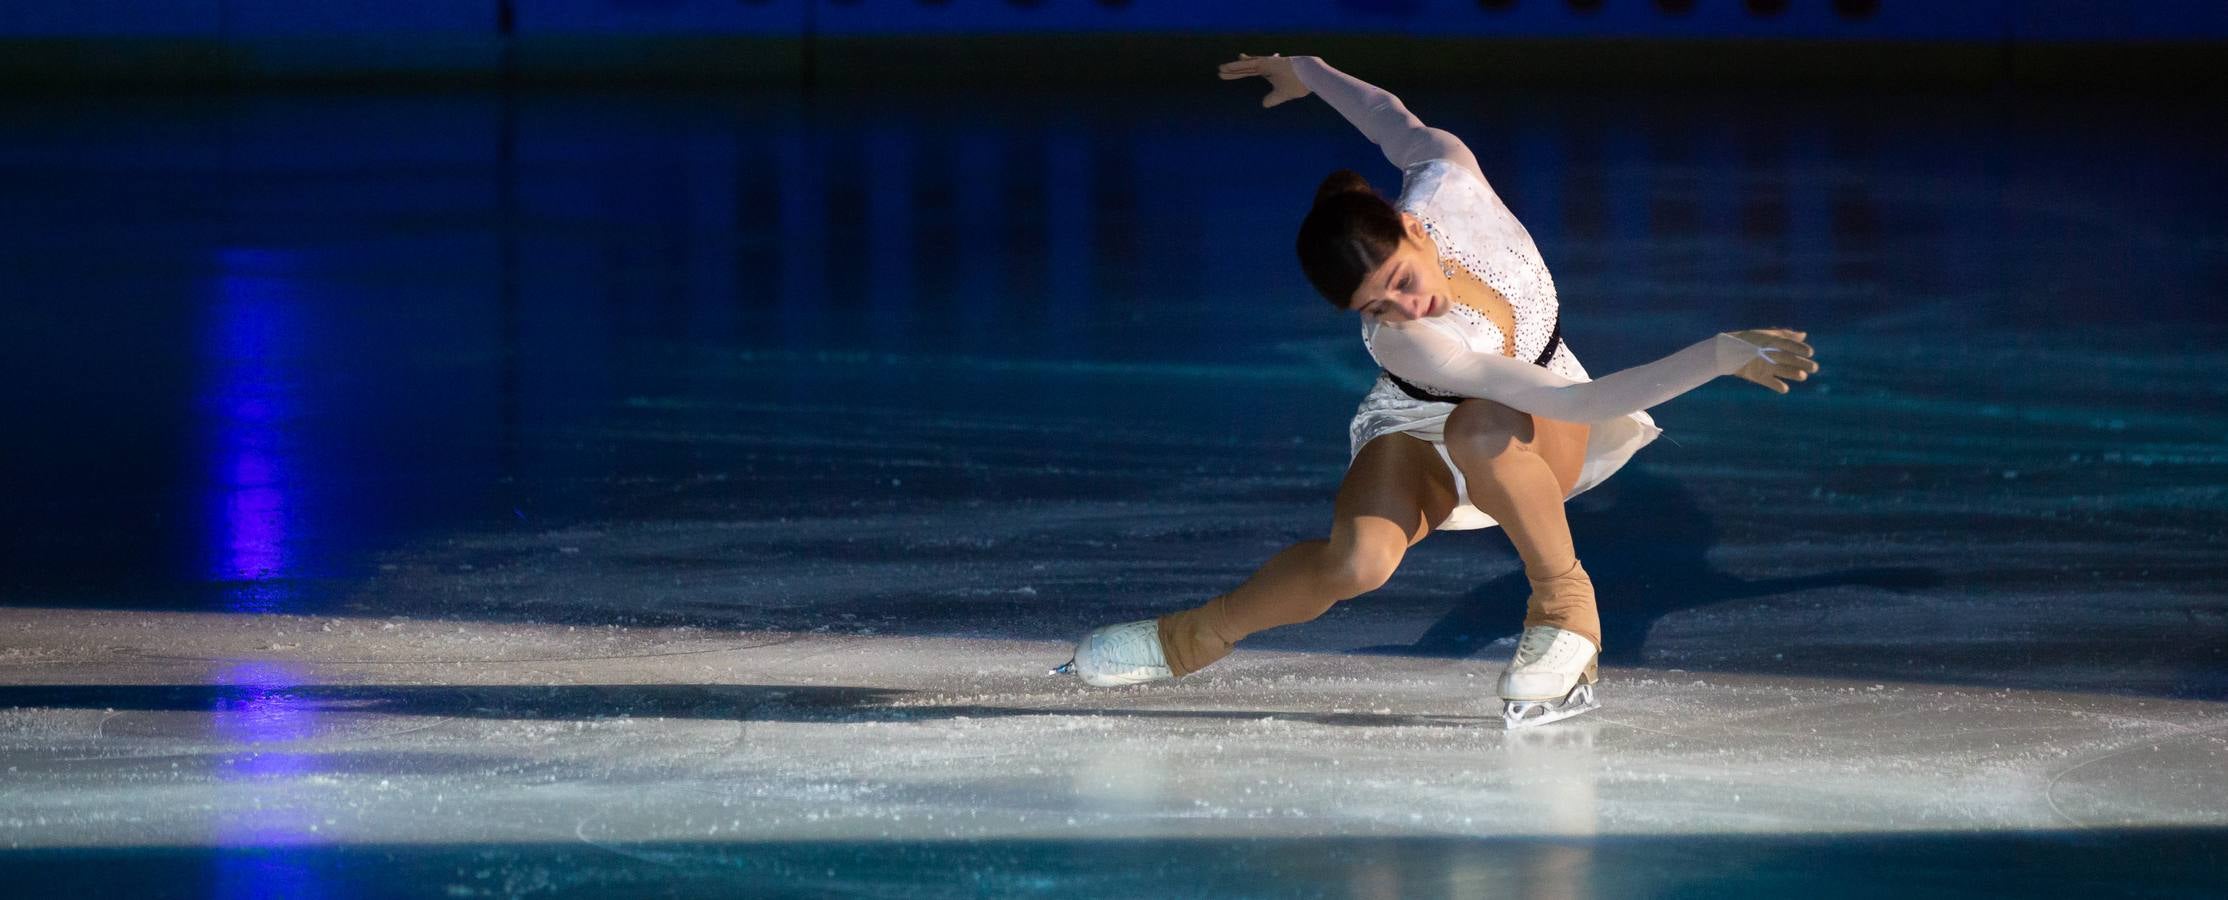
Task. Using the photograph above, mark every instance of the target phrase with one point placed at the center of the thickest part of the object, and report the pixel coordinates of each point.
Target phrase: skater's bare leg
(1391, 494)
(1519, 467)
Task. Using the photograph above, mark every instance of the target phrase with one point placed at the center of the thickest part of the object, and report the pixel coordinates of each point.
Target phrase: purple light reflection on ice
(261, 711)
(255, 333)
(254, 336)
(256, 524)
(263, 703)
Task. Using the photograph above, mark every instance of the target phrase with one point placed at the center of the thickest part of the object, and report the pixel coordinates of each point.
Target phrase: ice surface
(665, 745)
(606, 495)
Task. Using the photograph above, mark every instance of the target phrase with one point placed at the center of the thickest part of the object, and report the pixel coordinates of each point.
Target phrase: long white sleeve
(1425, 353)
(1381, 117)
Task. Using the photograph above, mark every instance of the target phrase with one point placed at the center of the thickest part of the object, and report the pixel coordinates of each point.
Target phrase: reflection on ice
(260, 718)
(1116, 779)
(1556, 770)
(253, 347)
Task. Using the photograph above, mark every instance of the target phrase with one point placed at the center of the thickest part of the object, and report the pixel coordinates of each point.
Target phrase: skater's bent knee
(1359, 570)
(1484, 430)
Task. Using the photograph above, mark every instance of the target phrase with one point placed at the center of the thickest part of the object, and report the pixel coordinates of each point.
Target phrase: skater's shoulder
(1442, 173)
(1422, 183)
(1445, 188)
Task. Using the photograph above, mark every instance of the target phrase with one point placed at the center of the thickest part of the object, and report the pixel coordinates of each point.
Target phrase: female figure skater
(1481, 416)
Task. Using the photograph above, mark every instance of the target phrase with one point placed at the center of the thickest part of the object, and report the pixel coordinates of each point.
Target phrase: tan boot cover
(1188, 642)
(1565, 601)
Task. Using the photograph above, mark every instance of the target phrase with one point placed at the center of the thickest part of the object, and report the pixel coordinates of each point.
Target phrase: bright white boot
(1550, 679)
(1116, 655)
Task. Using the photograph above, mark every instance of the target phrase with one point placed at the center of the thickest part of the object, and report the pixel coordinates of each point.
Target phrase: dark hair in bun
(1347, 235)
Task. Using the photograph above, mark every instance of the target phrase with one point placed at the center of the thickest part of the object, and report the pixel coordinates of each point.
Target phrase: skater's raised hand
(1284, 84)
(1775, 356)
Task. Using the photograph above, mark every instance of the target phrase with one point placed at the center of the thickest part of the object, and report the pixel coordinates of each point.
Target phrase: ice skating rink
(629, 495)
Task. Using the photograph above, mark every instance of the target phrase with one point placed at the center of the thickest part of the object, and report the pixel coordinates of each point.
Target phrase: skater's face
(1408, 286)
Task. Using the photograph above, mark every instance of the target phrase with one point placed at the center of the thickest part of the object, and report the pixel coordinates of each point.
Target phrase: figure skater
(1481, 415)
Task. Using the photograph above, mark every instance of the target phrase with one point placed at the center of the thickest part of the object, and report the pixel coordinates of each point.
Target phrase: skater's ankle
(1188, 644)
(1565, 600)
(1556, 571)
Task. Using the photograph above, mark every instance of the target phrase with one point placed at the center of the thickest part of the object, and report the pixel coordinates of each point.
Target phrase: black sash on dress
(1554, 342)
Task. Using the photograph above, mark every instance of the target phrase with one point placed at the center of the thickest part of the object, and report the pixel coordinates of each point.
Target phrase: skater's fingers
(1795, 366)
(1785, 361)
(1765, 378)
(1766, 339)
(1791, 346)
(1791, 371)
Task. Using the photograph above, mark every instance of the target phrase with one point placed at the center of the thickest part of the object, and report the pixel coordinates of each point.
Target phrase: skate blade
(1066, 668)
(1520, 714)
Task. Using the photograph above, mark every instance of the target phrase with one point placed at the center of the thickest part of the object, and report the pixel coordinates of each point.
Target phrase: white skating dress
(1475, 231)
(1459, 353)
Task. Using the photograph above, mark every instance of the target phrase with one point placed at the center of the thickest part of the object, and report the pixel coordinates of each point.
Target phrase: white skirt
(1389, 410)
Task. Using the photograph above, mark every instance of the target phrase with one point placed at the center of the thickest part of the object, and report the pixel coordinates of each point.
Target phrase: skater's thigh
(1395, 489)
(1563, 445)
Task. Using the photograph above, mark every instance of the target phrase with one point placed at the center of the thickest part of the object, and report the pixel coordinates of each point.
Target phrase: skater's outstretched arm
(1421, 352)
(1379, 115)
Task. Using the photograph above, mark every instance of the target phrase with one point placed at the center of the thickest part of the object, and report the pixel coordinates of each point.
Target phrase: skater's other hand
(1284, 84)
(1777, 356)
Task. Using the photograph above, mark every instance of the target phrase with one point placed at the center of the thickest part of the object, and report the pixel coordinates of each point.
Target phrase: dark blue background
(1963, 20)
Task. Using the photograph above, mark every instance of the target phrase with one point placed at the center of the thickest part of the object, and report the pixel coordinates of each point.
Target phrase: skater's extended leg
(1393, 491)
(1519, 467)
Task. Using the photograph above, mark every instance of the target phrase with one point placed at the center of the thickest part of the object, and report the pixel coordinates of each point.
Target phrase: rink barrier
(892, 44)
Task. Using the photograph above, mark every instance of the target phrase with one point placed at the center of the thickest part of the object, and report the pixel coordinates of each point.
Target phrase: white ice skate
(1115, 655)
(1551, 679)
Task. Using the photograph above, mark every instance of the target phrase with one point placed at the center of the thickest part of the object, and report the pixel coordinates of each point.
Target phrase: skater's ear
(1413, 226)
